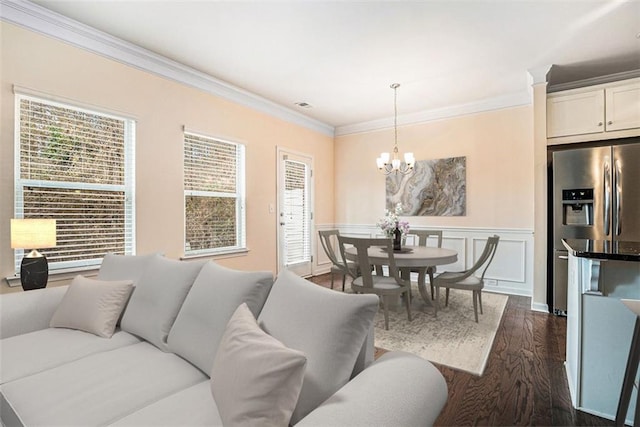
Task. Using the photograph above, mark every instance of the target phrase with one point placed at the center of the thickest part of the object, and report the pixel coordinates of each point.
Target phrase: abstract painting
(436, 187)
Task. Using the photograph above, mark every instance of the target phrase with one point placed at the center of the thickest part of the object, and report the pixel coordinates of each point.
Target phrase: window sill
(218, 255)
(60, 275)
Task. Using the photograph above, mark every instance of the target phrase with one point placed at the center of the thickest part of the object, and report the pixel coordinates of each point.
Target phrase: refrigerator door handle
(607, 196)
(618, 219)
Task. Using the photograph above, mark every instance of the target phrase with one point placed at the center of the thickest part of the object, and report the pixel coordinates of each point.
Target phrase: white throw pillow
(125, 267)
(328, 327)
(157, 298)
(212, 300)
(255, 379)
(92, 305)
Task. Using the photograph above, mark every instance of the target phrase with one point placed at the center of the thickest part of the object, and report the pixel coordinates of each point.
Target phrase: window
(75, 166)
(213, 195)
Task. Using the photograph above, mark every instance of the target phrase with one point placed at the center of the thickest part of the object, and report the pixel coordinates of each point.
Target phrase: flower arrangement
(392, 220)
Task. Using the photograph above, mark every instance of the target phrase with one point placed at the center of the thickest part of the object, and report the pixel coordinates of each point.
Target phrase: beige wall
(498, 146)
(161, 108)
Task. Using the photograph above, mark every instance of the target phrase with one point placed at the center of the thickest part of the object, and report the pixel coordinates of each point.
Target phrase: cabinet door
(575, 114)
(623, 107)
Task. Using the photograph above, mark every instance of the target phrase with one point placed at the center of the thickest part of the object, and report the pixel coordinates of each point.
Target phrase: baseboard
(538, 306)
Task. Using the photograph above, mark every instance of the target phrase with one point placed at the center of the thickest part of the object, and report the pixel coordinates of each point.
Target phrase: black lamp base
(34, 273)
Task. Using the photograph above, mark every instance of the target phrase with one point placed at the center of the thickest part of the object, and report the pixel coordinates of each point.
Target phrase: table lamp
(33, 234)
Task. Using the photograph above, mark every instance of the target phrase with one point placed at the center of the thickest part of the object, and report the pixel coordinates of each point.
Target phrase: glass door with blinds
(295, 212)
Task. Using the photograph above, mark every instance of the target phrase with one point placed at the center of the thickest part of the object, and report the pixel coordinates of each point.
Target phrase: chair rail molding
(511, 271)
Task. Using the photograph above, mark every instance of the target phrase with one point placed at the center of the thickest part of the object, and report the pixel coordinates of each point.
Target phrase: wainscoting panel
(511, 271)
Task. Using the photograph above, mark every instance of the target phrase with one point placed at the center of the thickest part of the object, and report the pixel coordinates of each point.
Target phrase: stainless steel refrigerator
(596, 195)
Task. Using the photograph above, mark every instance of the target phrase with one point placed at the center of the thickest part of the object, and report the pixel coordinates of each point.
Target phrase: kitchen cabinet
(598, 112)
(599, 327)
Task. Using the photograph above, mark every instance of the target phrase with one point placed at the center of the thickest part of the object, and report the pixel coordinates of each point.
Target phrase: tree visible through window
(75, 166)
(213, 194)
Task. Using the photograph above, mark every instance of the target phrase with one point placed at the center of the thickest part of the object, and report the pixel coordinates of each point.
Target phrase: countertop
(603, 249)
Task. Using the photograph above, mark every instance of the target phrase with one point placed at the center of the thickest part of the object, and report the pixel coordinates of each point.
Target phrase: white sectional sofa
(176, 357)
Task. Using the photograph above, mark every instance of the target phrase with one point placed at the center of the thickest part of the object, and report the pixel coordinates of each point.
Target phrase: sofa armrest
(398, 389)
(28, 311)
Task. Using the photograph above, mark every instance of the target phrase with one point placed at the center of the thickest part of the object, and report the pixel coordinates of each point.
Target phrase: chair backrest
(362, 246)
(423, 236)
(486, 256)
(328, 238)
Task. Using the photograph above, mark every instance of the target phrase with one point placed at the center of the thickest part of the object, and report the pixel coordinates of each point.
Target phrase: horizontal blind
(296, 205)
(214, 196)
(76, 166)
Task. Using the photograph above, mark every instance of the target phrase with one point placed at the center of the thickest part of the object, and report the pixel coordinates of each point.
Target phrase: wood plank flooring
(524, 382)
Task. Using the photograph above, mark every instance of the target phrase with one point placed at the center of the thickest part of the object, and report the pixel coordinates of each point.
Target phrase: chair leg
(446, 300)
(629, 376)
(332, 280)
(437, 301)
(407, 299)
(386, 313)
(480, 301)
(475, 304)
(344, 279)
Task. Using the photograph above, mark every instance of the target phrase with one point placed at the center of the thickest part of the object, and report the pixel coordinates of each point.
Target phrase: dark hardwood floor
(524, 382)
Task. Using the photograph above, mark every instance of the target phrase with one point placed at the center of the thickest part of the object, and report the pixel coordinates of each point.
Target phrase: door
(626, 201)
(295, 212)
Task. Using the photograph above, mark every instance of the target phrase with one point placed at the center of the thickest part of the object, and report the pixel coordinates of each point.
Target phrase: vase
(397, 239)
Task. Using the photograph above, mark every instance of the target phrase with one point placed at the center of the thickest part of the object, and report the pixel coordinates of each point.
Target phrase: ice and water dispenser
(577, 206)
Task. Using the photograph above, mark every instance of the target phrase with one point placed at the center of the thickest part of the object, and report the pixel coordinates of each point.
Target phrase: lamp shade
(33, 233)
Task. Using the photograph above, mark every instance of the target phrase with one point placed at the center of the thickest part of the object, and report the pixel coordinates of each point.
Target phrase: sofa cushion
(215, 294)
(255, 379)
(92, 305)
(328, 327)
(28, 354)
(157, 298)
(99, 389)
(125, 267)
(192, 406)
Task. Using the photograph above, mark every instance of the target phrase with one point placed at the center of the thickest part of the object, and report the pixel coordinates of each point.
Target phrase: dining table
(411, 258)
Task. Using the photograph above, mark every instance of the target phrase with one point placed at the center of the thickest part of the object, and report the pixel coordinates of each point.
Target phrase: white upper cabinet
(599, 112)
(623, 107)
(575, 113)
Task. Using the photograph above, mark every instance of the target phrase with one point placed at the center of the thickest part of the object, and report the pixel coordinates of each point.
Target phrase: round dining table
(411, 258)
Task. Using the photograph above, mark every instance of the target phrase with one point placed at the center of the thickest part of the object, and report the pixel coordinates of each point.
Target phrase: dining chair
(328, 238)
(467, 279)
(363, 279)
(423, 239)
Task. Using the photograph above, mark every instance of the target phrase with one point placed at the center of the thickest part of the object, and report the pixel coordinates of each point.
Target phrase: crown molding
(506, 101)
(609, 78)
(44, 21)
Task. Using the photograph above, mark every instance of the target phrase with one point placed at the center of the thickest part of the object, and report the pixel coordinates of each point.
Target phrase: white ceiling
(341, 56)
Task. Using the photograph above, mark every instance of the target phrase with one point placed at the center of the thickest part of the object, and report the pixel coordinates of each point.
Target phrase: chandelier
(385, 163)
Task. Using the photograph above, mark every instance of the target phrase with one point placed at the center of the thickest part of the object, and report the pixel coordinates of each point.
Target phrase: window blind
(214, 195)
(75, 166)
(296, 205)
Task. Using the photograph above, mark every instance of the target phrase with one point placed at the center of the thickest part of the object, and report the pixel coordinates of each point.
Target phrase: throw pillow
(157, 298)
(124, 267)
(328, 327)
(92, 305)
(212, 300)
(255, 379)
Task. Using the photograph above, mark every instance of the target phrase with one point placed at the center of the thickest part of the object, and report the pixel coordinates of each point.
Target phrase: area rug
(453, 338)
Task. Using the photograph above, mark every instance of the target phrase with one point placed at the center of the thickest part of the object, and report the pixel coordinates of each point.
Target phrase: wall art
(436, 187)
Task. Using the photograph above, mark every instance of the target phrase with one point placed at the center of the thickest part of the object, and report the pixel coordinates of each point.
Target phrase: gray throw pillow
(255, 379)
(328, 327)
(92, 306)
(213, 298)
(123, 267)
(157, 298)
